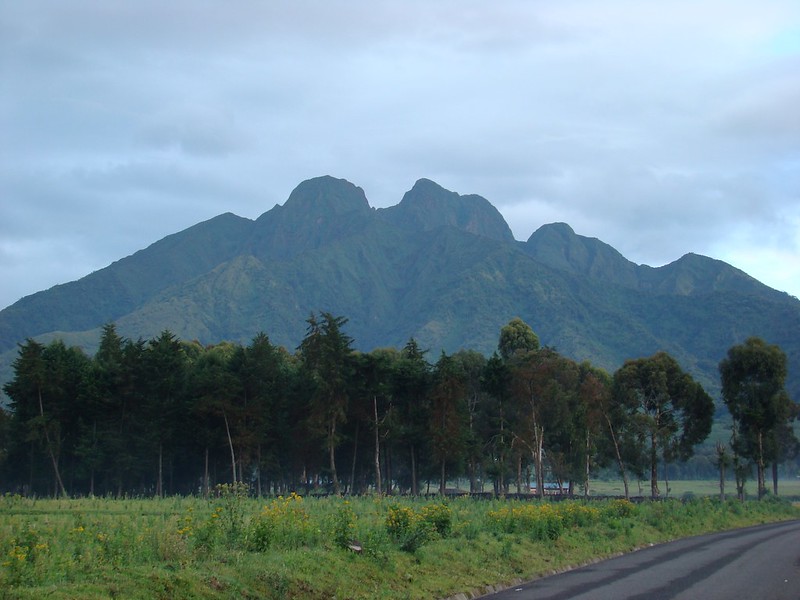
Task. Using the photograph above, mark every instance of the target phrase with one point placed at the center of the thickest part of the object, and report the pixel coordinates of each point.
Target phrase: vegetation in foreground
(235, 546)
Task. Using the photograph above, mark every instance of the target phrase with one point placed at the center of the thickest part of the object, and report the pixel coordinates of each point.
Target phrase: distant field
(679, 488)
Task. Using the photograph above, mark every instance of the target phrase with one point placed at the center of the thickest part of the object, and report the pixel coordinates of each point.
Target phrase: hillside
(440, 267)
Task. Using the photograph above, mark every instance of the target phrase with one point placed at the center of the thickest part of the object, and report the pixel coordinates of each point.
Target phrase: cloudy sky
(660, 127)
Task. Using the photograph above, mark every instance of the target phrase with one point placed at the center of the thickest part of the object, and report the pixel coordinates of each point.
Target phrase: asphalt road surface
(756, 563)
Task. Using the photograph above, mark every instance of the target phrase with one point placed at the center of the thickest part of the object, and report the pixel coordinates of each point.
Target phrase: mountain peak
(428, 205)
(326, 195)
(559, 246)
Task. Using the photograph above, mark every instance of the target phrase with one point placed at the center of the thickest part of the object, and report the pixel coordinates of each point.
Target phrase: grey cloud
(661, 129)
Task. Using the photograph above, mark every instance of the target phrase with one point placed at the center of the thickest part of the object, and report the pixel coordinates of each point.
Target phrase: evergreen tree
(328, 358)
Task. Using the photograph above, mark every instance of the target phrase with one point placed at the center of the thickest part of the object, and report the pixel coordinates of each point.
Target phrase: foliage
(287, 548)
(667, 412)
(282, 523)
(161, 416)
(516, 337)
(410, 528)
(753, 377)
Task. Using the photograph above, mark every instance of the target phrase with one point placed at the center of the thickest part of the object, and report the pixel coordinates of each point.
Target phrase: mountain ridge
(438, 266)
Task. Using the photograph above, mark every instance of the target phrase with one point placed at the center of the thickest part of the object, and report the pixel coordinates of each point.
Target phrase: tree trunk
(50, 451)
(539, 439)
(258, 470)
(377, 448)
(721, 463)
(443, 479)
(414, 490)
(618, 454)
(230, 445)
(654, 491)
(160, 482)
(205, 476)
(762, 488)
(353, 466)
(332, 454)
(775, 478)
(586, 467)
(502, 478)
(738, 470)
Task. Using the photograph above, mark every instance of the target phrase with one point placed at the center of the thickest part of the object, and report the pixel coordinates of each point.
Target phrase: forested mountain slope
(440, 267)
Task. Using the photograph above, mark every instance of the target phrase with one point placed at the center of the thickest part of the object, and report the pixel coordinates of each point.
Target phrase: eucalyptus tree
(667, 411)
(605, 424)
(549, 420)
(327, 356)
(753, 376)
(516, 337)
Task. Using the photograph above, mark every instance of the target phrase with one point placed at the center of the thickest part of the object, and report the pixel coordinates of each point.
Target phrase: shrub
(344, 525)
(408, 528)
(620, 508)
(574, 514)
(284, 523)
(540, 521)
(439, 517)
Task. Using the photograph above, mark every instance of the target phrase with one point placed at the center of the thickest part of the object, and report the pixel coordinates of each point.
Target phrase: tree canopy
(165, 416)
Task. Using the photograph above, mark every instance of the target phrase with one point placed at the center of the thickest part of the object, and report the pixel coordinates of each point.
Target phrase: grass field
(680, 488)
(234, 546)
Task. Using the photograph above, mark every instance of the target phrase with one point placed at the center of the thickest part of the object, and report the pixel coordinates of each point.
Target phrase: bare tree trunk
(332, 454)
(654, 491)
(586, 467)
(230, 445)
(353, 466)
(762, 488)
(738, 469)
(258, 470)
(539, 441)
(205, 476)
(50, 451)
(721, 460)
(160, 482)
(502, 478)
(618, 454)
(377, 448)
(775, 478)
(414, 489)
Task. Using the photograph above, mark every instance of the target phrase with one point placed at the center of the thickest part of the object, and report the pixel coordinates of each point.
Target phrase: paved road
(757, 563)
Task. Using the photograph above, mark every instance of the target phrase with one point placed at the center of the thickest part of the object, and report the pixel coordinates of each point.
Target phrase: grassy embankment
(239, 547)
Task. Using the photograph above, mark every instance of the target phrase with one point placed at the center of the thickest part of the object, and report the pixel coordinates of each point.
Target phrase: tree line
(165, 416)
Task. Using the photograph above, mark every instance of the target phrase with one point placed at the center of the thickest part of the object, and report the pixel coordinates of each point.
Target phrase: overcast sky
(661, 127)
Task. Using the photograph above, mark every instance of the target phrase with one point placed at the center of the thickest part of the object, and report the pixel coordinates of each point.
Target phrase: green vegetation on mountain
(439, 267)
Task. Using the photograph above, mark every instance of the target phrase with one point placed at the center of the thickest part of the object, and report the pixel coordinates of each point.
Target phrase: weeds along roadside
(293, 545)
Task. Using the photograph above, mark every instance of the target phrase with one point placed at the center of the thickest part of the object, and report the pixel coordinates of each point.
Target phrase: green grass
(240, 547)
(680, 488)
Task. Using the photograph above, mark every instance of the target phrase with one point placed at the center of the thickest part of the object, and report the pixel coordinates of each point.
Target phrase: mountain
(438, 266)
